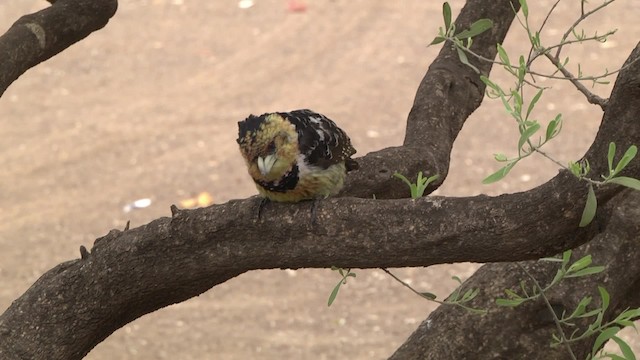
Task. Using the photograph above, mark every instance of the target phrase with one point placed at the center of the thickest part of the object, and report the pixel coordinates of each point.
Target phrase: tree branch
(449, 92)
(452, 333)
(36, 37)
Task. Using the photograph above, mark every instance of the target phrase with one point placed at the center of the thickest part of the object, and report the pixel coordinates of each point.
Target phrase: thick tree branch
(449, 92)
(36, 37)
(452, 333)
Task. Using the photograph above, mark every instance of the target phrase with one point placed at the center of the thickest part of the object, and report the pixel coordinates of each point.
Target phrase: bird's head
(269, 145)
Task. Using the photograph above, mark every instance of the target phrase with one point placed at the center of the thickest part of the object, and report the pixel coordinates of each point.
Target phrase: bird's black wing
(321, 141)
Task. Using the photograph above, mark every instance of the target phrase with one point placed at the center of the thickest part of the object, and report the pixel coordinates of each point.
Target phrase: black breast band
(287, 182)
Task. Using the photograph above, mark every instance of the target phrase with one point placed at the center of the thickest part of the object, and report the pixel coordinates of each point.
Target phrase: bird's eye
(271, 148)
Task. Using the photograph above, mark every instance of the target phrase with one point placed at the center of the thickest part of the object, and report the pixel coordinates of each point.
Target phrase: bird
(295, 156)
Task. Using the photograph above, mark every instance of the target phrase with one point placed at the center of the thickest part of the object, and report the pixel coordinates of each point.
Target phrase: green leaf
(554, 127)
(509, 302)
(612, 357)
(624, 348)
(630, 314)
(580, 309)
(437, 40)
(604, 336)
(491, 84)
(502, 54)
(626, 181)
(500, 157)
(522, 69)
(533, 101)
(626, 158)
(587, 271)
(566, 257)
(610, 155)
(590, 313)
(590, 207)
(580, 264)
(512, 294)
(498, 175)
(524, 8)
(476, 28)
(403, 178)
(428, 295)
(334, 293)
(527, 133)
(446, 14)
(463, 59)
(604, 295)
(470, 294)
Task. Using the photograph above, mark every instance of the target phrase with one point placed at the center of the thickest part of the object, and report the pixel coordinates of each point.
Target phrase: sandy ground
(147, 108)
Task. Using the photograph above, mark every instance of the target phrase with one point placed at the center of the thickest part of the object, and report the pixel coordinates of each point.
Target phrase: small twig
(409, 287)
(550, 307)
(550, 158)
(591, 97)
(544, 23)
(577, 22)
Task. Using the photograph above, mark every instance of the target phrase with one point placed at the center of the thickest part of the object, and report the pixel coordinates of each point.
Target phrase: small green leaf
(522, 69)
(456, 279)
(604, 295)
(587, 271)
(626, 158)
(463, 59)
(610, 155)
(580, 264)
(470, 294)
(446, 14)
(498, 175)
(334, 293)
(604, 336)
(476, 28)
(428, 295)
(509, 302)
(590, 313)
(527, 133)
(580, 309)
(554, 127)
(402, 177)
(500, 157)
(491, 84)
(590, 207)
(624, 348)
(524, 8)
(437, 40)
(512, 294)
(502, 54)
(566, 257)
(630, 314)
(533, 101)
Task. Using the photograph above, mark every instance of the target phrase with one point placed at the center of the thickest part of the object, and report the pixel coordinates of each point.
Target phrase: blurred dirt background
(147, 108)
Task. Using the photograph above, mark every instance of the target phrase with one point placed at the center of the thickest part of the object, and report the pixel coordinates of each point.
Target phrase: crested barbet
(295, 156)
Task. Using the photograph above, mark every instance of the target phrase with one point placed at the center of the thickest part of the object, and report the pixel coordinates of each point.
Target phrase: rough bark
(36, 37)
(130, 273)
(453, 333)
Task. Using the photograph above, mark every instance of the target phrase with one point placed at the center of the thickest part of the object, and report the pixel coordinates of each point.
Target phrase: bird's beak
(265, 164)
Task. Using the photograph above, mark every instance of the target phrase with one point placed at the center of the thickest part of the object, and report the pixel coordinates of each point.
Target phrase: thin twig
(409, 287)
(563, 338)
(550, 158)
(591, 97)
(577, 22)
